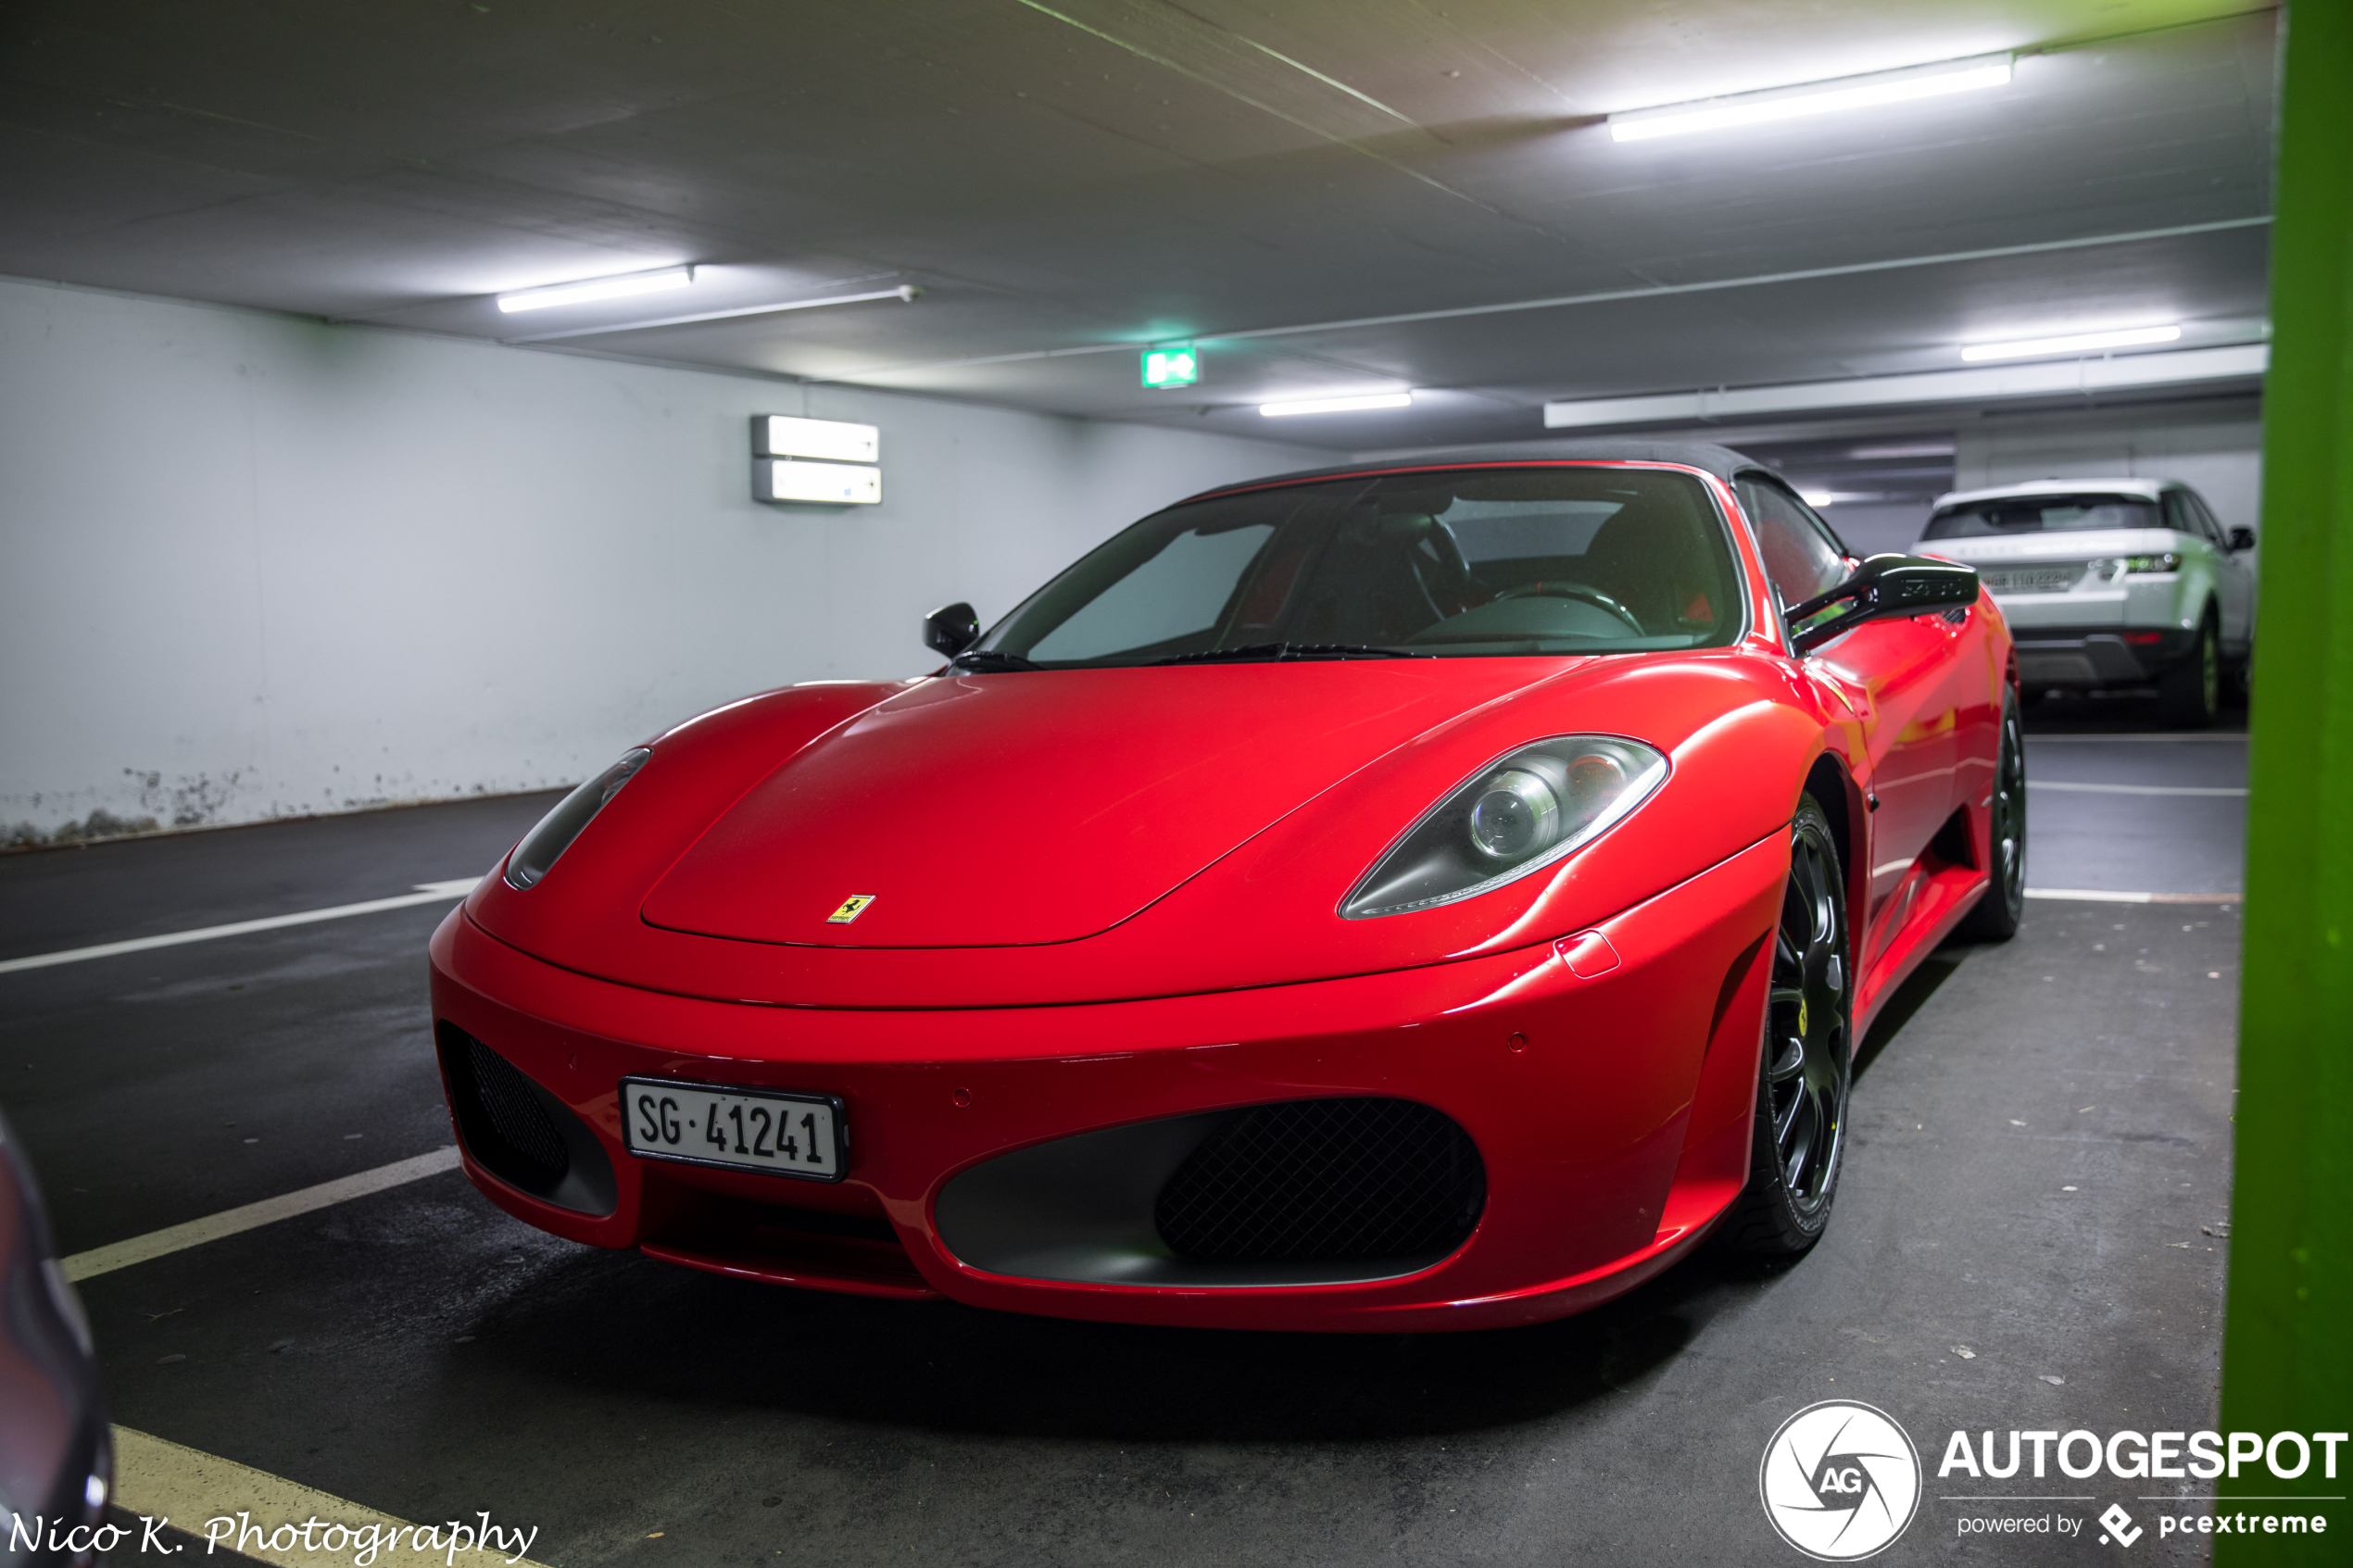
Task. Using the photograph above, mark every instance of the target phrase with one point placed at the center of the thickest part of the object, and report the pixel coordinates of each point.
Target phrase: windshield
(1477, 562)
(2043, 514)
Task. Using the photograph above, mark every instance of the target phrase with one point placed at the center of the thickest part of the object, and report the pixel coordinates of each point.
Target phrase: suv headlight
(2148, 566)
(560, 827)
(1518, 814)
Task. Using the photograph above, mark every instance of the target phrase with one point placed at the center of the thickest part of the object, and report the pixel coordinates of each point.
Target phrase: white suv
(2109, 582)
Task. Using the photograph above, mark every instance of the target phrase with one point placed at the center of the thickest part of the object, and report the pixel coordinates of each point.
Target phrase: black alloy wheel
(2192, 691)
(1806, 1067)
(1995, 916)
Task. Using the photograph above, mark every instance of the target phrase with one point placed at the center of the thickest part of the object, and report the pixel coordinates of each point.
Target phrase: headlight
(2144, 566)
(560, 827)
(1516, 815)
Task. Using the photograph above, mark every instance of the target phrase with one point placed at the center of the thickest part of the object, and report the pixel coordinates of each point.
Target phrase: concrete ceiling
(1069, 180)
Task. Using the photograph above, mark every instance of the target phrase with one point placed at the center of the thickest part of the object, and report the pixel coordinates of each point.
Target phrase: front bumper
(1609, 1104)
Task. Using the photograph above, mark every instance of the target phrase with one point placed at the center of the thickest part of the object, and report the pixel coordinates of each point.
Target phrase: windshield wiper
(1273, 653)
(989, 661)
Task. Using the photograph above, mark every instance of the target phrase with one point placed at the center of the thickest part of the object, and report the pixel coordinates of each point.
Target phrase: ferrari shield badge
(851, 908)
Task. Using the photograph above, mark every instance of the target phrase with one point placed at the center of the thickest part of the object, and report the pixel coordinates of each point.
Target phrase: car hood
(2066, 546)
(990, 814)
(1013, 810)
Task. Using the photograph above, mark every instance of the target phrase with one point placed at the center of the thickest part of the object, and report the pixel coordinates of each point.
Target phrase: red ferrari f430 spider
(1405, 897)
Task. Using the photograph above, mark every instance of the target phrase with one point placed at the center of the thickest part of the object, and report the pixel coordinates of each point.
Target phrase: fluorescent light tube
(1818, 498)
(824, 484)
(2075, 343)
(835, 441)
(596, 288)
(1816, 97)
(1903, 450)
(1338, 405)
(906, 292)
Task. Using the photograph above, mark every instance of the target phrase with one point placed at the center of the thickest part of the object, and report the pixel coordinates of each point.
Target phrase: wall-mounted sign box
(825, 484)
(816, 462)
(827, 441)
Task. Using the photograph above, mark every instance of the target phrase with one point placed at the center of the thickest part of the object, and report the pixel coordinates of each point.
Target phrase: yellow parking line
(263, 1516)
(229, 1222)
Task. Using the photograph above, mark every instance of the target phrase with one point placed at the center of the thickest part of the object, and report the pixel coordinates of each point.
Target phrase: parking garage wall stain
(260, 566)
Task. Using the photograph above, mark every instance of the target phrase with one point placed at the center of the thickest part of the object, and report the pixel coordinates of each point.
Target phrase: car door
(1896, 675)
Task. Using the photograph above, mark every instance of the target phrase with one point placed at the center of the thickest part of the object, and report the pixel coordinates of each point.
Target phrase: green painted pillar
(2287, 1348)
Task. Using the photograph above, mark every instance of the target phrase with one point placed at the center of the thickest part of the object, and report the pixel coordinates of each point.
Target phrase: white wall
(2215, 448)
(1869, 530)
(259, 566)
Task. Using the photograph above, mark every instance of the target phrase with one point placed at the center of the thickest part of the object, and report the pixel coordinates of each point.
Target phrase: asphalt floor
(2029, 1235)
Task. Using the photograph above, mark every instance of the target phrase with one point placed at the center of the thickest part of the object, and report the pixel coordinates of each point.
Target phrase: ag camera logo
(1840, 1481)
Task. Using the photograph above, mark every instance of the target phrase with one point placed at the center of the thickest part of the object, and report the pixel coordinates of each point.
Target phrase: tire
(1804, 1062)
(2191, 692)
(1995, 916)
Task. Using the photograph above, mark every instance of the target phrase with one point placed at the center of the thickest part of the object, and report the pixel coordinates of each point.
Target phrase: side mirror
(2242, 538)
(1882, 587)
(951, 629)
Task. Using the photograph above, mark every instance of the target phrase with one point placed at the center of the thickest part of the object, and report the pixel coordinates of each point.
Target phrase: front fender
(697, 770)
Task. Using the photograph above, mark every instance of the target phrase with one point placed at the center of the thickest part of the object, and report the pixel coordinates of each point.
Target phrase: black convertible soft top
(1721, 461)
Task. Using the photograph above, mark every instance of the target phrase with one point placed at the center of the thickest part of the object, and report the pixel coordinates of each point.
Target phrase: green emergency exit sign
(1171, 364)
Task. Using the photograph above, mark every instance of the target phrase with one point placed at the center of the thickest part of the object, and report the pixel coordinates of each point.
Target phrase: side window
(2184, 515)
(2208, 521)
(1799, 556)
(1822, 526)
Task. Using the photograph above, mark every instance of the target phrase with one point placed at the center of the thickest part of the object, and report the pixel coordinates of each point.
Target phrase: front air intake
(1308, 1192)
(1325, 1181)
(517, 1121)
(518, 1132)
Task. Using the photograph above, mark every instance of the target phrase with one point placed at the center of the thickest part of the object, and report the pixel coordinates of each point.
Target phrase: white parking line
(2136, 789)
(229, 1222)
(2226, 737)
(426, 893)
(189, 1489)
(2104, 895)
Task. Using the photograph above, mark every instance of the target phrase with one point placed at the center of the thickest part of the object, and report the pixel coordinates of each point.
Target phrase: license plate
(2037, 579)
(784, 1134)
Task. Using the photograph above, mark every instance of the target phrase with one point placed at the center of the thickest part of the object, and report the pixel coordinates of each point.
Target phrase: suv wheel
(2192, 691)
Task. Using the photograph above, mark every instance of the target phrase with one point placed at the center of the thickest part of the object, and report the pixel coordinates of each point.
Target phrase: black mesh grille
(514, 1112)
(1323, 1181)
